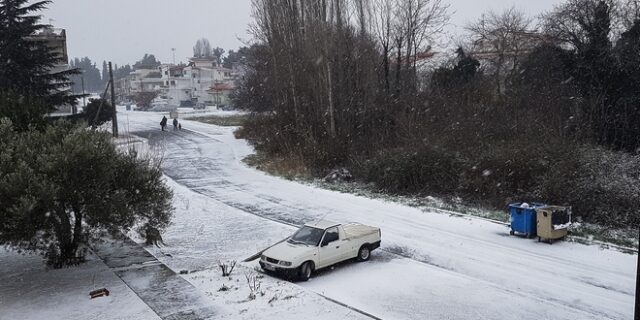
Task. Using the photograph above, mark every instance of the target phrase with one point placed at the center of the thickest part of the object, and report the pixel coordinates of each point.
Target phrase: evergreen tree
(122, 72)
(628, 56)
(148, 62)
(26, 63)
(463, 72)
(595, 69)
(626, 115)
(89, 72)
(232, 57)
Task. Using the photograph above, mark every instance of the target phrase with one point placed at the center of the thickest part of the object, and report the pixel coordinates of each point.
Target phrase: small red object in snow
(99, 293)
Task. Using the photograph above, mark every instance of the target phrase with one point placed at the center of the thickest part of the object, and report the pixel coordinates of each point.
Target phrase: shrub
(602, 186)
(66, 184)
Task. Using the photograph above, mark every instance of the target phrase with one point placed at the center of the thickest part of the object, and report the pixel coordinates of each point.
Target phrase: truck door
(331, 250)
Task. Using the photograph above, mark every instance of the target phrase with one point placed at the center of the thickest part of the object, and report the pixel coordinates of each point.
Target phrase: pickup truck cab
(318, 245)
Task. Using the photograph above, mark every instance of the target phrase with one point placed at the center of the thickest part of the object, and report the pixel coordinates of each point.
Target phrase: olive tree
(62, 186)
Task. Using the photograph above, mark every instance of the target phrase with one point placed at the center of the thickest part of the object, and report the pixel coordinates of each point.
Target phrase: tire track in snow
(255, 211)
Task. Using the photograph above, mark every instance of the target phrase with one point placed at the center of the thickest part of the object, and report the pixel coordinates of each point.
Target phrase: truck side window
(331, 235)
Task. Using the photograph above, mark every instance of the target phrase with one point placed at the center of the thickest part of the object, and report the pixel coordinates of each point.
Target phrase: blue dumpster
(523, 218)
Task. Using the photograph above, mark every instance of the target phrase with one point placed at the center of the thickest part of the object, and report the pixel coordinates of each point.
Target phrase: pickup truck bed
(353, 230)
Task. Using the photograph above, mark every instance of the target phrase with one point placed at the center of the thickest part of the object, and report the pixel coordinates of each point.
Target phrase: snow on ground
(186, 113)
(205, 232)
(431, 265)
(28, 290)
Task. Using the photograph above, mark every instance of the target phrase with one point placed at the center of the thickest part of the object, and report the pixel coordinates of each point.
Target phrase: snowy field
(430, 266)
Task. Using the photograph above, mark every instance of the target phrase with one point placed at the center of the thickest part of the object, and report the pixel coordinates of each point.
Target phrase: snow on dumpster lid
(526, 205)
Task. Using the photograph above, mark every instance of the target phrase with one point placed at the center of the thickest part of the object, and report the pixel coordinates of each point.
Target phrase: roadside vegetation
(551, 114)
(223, 121)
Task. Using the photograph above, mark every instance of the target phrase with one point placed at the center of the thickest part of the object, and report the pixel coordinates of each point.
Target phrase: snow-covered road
(432, 266)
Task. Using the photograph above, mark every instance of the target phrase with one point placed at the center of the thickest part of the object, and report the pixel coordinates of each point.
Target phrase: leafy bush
(97, 112)
(429, 170)
(602, 186)
(65, 184)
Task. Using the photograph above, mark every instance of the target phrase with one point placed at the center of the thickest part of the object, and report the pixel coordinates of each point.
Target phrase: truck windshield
(307, 236)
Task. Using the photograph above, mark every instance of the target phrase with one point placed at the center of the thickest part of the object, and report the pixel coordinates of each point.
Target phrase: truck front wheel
(305, 271)
(364, 253)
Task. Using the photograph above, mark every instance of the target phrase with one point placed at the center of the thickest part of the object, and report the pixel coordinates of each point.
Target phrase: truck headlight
(285, 263)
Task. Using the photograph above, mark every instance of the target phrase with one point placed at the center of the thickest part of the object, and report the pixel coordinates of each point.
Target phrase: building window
(166, 73)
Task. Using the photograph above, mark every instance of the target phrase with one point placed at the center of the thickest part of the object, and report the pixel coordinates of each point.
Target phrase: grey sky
(123, 30)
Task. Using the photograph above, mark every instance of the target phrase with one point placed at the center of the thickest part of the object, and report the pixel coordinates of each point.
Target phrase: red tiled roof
(225, 86)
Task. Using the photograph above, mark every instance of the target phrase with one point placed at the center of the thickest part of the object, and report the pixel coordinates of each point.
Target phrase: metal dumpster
(552, 222)
(523, 218)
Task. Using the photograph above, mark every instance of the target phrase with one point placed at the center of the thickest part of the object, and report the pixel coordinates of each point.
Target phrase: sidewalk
(169, 295)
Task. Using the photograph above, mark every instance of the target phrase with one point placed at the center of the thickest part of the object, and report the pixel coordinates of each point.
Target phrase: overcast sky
(124, 30)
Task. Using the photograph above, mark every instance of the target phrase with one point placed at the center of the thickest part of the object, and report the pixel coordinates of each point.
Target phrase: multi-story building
(191, 85)
(56, 40)
(202, 82)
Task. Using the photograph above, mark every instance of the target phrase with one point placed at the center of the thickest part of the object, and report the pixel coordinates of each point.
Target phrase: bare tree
(500, 40)
(418, 22)
(202, 49)
(383, 11)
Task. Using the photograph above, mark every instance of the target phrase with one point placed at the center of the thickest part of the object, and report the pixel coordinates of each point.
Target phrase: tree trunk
(385, 62)
(398, 64)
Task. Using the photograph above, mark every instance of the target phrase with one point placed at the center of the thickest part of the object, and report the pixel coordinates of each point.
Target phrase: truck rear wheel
(306, 269)
(364, 253)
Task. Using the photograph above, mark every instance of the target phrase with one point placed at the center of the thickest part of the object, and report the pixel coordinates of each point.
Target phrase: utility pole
(113, 102)
(84, 97)
(637, 310)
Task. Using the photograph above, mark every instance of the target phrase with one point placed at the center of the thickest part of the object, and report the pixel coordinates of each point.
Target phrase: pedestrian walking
(175, 124)
(163, 123)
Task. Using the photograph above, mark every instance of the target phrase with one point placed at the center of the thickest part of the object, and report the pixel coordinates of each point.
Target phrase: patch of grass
(229, 121)
(621, 237)
(290, 168)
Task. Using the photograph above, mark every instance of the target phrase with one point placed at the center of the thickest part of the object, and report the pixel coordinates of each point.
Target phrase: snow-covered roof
(322, 224)
(51, 32)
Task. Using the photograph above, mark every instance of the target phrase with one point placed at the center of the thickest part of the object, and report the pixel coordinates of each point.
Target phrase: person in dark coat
(175, 124)
(163, 123)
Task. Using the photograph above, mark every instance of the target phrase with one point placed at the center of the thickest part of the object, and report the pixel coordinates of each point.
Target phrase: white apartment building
(201, 82)
(191, 85)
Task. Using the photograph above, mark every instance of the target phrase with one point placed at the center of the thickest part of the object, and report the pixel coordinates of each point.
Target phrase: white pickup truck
(318, 245)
